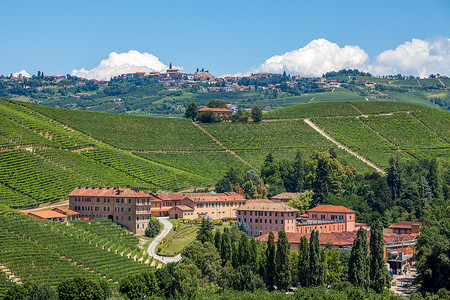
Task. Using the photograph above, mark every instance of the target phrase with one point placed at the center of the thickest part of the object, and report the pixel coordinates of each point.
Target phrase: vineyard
(132, 132)
(209, 164)
(380, 107)
(51, 252)
(309, 110)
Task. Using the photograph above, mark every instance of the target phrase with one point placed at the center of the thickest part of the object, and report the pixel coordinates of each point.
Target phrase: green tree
(139, 286)
(244, 250)
(217, 104)
(16, 292)
(250, 191)
(433, 249)
(395, 177)
(208, 117)
(191, 111)
(252, 176)
(218, 240)
(262, 189)
(282, 263)
(226, 248)
(153, 228)
(358, 269)
(435, 177)
(322, 182)
(303, 261)
(205, 232)
(298, 173)
(302, 201)
(334, 266)
(256, 114)
(270, 260)
(316, 266)
(224, 185)
(80, 288)
(42, 291)
(378, 278)
(186, 280)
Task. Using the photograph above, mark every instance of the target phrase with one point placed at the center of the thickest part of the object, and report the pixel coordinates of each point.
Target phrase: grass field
(339, 94)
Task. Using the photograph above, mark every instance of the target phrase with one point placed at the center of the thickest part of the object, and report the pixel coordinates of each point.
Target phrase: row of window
(265, 213)
(108, 200)
(260, 221)
(224, 204)
(321, 229)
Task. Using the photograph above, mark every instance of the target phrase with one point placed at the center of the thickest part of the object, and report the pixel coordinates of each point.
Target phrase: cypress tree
(358, 269)
(225, 249)
(270, 260)
(303, 261)
(218, 240)
(377, 267)
(282, 263)
(253, 257)
(235, 255)
(243, 250)
(315, 261)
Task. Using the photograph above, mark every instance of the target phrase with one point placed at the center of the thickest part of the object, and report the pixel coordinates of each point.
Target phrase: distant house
(405, 227)
(70, 214)
(217, 111)
(284, 197)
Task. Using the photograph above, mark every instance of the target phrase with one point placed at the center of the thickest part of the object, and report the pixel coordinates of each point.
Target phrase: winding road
(167, 227)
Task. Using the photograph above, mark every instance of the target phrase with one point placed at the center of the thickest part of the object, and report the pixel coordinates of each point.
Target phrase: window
(251, 213)
(129, 218)
(138, 226)
(104, 208)
(121, 209)
(118, 201)
(117, 218)
(96, 208)
(265, 213)
(265, 220)
(276, 221)
(129, 209)
(270, 221)
(270, 213)
(121, 200)
(250, 220)
(108, 208)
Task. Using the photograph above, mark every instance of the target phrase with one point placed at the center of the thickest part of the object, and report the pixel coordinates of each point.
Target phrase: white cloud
(119, 63)
(23, 73)
(418, 58)
(317, 58)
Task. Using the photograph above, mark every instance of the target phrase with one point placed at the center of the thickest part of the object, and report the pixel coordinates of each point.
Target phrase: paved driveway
(167, 227)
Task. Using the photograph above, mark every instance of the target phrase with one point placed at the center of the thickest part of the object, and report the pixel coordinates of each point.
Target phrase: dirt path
(441, 82)
(342, 146)
(225, 147)
(167, 227)
(312, 99)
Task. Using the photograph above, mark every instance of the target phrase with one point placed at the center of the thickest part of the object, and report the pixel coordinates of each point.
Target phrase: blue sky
(225, 37)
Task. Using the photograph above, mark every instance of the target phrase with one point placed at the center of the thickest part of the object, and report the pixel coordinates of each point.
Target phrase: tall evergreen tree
(316, 271)
(253, 254)
(395, 177)
(298, 173)
(270, 260)
(244, 250)
(218, 240)
(225, 249)
(358, 269)
(377, 267)
(303, 261)
(435, 177)
(205, 232)
(322, 181)
(282, 263)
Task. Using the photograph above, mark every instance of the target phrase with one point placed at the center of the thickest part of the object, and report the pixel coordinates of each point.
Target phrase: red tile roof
(46, 214)
(331, 208)
(215, 109)
(259, 201)
(267, 206)
(208, 197)
(65, 211)
(337, 239)
(405, 224)
(285, 196)
(107, 192)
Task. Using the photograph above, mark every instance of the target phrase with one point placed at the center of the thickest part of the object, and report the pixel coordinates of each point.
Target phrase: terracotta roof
(258, 201)
(65, 211)
(208, 197)
(303, 216)
(214, 109)
(107, 192)
(331, 208)
(273, 206)
(159, 209)
(169, 196)
(182, 207)
(285, 196)
(405, 224)
(46, 214)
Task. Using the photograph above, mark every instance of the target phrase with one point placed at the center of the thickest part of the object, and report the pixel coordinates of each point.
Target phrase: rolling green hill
(46, 152)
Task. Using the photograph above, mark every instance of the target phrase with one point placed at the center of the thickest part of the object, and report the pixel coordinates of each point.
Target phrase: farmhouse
(327, 219)
(128, 207)
(218, 111)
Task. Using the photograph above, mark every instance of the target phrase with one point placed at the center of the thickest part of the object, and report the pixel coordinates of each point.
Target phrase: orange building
(284, 197)
(263, 217)
(128, 207)
(211, 205)
(405, 227)
(327, 219)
